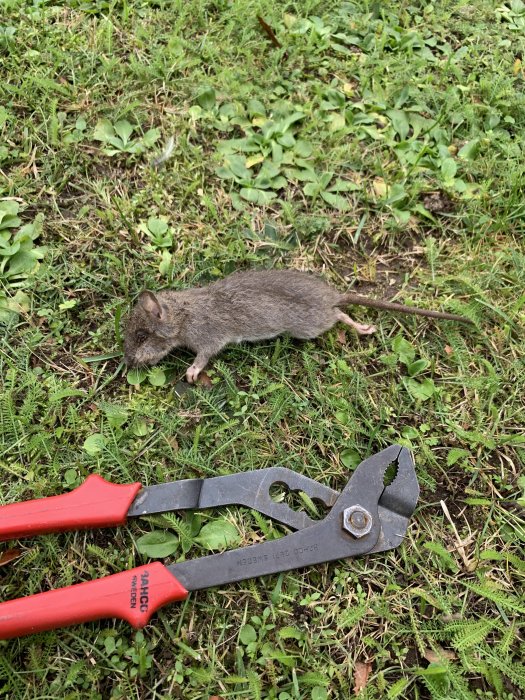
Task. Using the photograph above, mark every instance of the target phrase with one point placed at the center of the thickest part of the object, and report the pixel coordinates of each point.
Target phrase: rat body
(246, 306)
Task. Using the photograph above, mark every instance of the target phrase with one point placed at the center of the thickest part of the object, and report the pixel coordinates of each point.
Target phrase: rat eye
(141, 336)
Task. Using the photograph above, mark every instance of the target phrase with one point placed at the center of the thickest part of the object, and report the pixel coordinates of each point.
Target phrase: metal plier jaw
(365, 517)
(383, 511)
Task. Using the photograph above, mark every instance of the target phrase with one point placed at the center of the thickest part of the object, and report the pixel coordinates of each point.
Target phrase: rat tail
(352, 298)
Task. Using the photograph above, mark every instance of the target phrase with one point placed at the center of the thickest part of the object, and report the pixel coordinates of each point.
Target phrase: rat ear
(151, 304)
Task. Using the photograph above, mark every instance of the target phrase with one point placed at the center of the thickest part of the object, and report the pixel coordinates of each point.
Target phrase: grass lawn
(377, 143)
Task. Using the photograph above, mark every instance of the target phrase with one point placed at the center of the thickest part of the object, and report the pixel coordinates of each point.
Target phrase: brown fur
(254, 305)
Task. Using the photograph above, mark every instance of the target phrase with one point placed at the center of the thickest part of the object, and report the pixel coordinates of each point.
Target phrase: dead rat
(253, 305)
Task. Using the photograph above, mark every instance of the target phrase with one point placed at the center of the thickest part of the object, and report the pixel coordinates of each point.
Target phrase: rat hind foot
(360, 328)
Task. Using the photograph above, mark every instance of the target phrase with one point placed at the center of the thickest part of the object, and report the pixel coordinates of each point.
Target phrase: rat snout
(129, 361)
(129, 358)
(140, 356)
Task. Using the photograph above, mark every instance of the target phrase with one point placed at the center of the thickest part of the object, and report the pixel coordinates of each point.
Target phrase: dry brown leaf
(173, 443)
(269, 32)
(361, 673)
(204, 380)
(9, 556)
(436, 657)
(379, 187)
(341, 336)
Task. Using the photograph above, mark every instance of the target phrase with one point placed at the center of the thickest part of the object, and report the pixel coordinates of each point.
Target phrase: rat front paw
(192, 373)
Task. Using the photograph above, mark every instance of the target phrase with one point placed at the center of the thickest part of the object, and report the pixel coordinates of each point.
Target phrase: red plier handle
(95, 503)
(132, 595)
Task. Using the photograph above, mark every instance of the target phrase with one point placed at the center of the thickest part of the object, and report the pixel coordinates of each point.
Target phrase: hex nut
(357, 521)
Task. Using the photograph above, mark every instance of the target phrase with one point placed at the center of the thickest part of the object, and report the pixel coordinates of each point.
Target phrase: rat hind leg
(361, 328)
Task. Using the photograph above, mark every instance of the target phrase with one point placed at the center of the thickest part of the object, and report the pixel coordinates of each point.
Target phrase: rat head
(151, 331)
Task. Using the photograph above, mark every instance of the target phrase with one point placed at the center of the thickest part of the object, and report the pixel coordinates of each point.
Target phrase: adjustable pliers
(365, 517)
